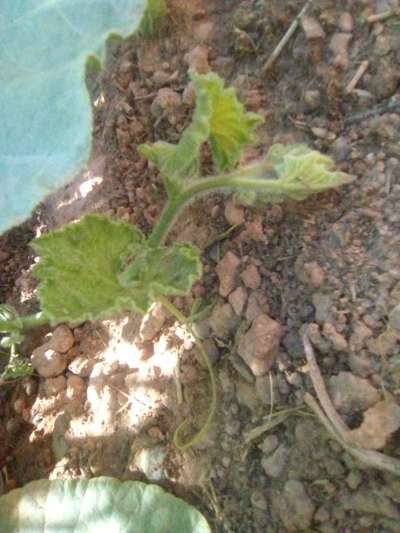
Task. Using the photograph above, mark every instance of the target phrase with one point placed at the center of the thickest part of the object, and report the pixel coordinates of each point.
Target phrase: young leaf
(179, 161)
(45, 134)
(79, 266)
(96, 505)
(231, 127)
(220, 119)
(164, 271)
(302, 171)
(299, 171)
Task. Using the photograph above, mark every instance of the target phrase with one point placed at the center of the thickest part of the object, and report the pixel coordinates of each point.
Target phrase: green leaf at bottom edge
(100, 504)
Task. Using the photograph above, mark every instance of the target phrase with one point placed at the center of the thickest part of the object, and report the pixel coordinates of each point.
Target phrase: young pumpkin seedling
(99, 267)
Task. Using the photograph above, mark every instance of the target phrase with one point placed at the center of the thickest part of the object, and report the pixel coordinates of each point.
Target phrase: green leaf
(220, 119)
(97, 505)
(177, 162)
(153, 17)
(46, 119)
(231, 127)
(299, 172)
(164, 271)
(302, 171)
(10, 319)
(79, 266)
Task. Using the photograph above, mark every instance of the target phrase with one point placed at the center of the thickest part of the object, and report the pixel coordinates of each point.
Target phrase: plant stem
(213, 403)
(244, 180)
(26, 322)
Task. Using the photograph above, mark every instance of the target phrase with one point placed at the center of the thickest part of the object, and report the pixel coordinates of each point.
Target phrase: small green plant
(99, 267)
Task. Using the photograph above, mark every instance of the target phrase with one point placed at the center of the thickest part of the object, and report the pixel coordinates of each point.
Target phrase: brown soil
(331, 261)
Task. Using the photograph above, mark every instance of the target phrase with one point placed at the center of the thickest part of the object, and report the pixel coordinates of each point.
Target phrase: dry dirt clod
(259, 346)
(152, 323)
(312, 28)
(228, 273)
(360, 334)
(346, 22)
(197, 59)
(251, 277)
(238, 299)
(223, 320)
(380, 422)
(312, 99)
(394, 318)
(47, 362)
(81, 366)
(166, 103)
(234, 214)
(62, 339)
(351, 394)
(338, 342)
(76, 387)
(53, 386)
(257, 305)
(275, 464)
(293, 505)
(339, 46)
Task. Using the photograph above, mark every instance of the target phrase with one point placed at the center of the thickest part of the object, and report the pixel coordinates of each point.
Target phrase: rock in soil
(293, 506)
(223, 320)
(238, 299)
(251, 277)
(47, 362)
(312, 28)
(152, 323)
(350, 393)
(228, 273)
(259, 346)
(62, 339)
(275, 464)
(380, 422)
(234, 214)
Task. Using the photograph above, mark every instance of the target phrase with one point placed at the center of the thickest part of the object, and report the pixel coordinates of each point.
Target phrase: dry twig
(285, 39)
(379, 17)
(357, 76)
(333, 422)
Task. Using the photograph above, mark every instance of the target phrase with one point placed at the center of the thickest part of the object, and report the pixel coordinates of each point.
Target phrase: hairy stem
(245, 180)
(26, 322)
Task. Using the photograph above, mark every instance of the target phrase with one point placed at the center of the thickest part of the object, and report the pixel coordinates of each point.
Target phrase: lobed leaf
(79, 266)
(97, 505)
(46, 129)
(220, 119)
(300, 172)
(164, 271)
(179, 161)
(231, 127)
(303, 171)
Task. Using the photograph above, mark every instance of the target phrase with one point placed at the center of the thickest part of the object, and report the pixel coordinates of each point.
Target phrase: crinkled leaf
(46, 120)
(303, 171)
(179, 161)
(164, 271)
(231, 127)
(79, 266)
(299, 172)
(220, 119)
(97, 505)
